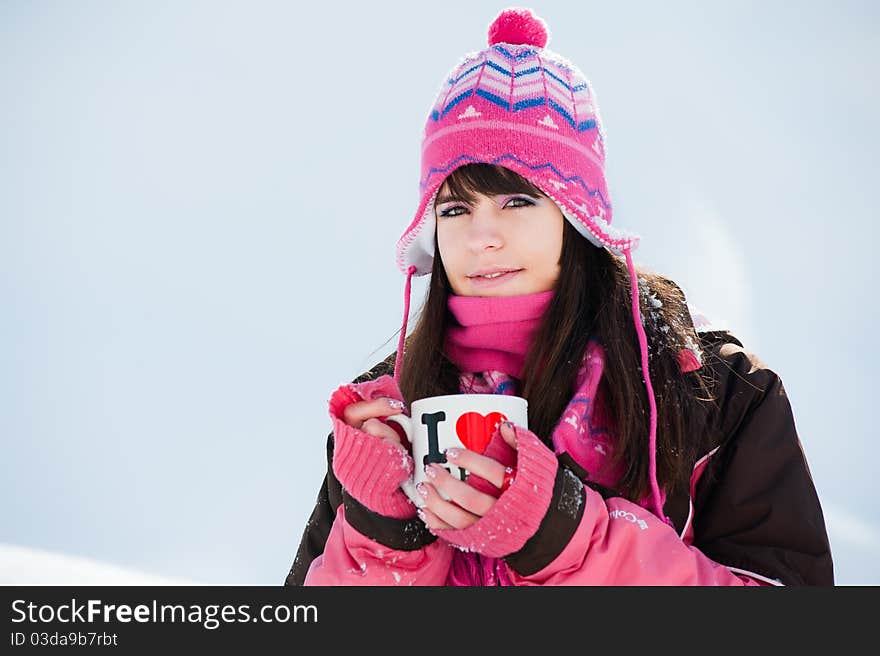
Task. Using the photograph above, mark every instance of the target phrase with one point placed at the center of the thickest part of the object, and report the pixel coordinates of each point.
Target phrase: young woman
(659, 450)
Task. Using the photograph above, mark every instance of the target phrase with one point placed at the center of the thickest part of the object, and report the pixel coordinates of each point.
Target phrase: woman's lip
(481, 282)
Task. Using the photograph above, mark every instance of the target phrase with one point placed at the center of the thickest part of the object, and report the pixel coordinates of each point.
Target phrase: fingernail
(452, 452)
(421, 489)
(421, 514)
(394, 403)
(430, 471)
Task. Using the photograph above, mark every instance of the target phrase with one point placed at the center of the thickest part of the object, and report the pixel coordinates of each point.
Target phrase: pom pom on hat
(518, 26)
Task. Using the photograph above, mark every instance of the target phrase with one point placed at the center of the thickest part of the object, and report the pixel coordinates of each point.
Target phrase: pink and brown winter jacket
(750, 514)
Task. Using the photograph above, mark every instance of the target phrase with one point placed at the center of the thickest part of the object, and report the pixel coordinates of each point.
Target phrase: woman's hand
(466, 503)
(370, 458)
(368, 416)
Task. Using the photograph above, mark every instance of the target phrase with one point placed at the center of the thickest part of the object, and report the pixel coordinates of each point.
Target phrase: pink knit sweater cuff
(369, 468)
(518, 512)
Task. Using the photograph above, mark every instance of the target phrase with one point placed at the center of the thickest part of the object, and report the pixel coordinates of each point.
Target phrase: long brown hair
(592, 298)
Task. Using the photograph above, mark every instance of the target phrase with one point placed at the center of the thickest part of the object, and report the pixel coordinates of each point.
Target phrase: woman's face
(516, 232)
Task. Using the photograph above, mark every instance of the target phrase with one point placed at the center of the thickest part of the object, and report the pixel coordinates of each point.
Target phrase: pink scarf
(493, 333)
(488, 339)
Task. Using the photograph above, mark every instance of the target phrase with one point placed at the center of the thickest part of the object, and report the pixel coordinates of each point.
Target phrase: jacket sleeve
(329, 498)
(347, 543)
(333, 552)
(756, 519)
(616, 542)
(314, 536)
(757, 509)
(351, 558)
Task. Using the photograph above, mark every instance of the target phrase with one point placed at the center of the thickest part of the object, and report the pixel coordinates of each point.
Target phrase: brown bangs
(466, 182)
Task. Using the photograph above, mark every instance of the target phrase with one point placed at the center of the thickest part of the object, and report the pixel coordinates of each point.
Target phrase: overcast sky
(199, 203)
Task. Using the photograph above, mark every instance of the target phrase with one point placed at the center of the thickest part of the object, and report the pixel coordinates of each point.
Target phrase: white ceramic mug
(437, 423)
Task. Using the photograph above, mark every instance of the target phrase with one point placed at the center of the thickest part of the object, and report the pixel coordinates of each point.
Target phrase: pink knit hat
(519, 105)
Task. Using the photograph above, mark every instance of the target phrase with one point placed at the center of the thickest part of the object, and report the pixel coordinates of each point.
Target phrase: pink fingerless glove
(369, 468)
(518, 512)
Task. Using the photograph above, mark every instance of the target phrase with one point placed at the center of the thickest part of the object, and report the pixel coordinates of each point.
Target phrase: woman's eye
(513, 203)
(525, 201)
(450, 211)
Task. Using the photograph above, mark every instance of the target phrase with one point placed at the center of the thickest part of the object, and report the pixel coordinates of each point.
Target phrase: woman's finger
(355, 414)
(376, 428)
(462, 497)
(431, 520)
(475, 463)
(508, 433)
(449, 514)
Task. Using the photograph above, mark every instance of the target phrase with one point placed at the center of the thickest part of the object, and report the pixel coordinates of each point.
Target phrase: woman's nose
(485, 228)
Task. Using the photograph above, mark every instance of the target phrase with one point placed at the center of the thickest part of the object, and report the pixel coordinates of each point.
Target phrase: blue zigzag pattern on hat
(452, 103)
(575, 178)
(534, 101)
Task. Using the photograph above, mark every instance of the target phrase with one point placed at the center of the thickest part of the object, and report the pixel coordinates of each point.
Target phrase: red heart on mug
(475, 430)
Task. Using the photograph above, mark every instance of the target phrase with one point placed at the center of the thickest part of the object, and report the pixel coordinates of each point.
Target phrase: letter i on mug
(438, 423)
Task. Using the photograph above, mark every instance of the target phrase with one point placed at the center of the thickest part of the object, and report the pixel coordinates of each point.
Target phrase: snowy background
(198, 208)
